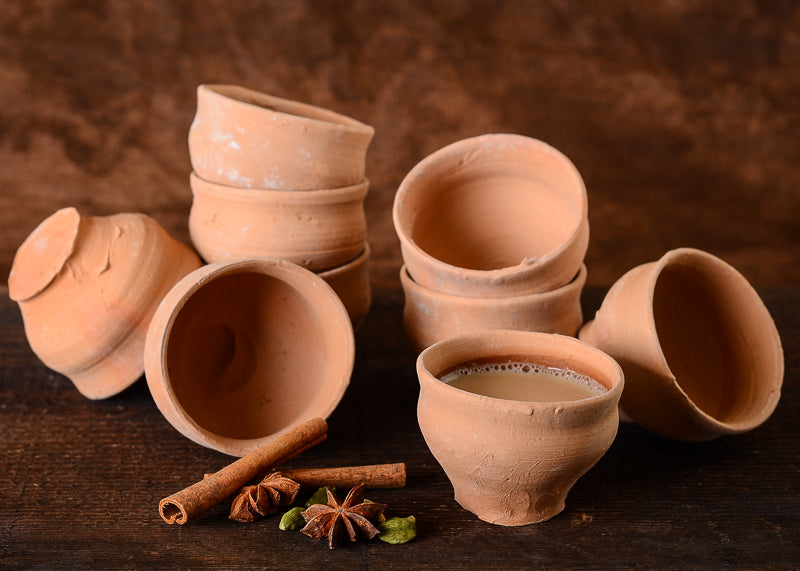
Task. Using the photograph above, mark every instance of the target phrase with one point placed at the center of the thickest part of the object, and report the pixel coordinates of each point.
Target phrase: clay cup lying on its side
(319, 229)
(430, 316)
(701, 354)
(513, 462)
(87, 288)
(492, 216)
(248, 139)
(240, 352)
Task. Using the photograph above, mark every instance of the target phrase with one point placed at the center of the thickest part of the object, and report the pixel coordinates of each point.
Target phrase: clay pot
(430, 316)
(513, 462)
(240, 352)
(244, 138)
(493, 216)
(701, 354)
(350, 281)
(318, 229)
(87, 287)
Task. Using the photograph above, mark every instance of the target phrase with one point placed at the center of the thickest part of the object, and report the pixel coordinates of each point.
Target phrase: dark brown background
(683, 118)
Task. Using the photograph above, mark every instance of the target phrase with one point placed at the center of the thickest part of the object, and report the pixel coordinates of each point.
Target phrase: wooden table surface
(682, 117)
(81, 480)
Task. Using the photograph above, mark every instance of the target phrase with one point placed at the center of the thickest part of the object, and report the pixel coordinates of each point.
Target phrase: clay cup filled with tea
(492, 216)
(515, 418)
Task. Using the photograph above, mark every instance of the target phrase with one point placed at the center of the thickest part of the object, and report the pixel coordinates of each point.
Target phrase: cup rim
(459, 147)
(502, 337)
(357, 191)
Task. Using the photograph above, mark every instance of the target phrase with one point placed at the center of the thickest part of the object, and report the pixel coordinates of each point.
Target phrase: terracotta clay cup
(240, 352)
(513, 462)
(350, 281)
(248, 139)
(701, 354)
(493, 216)
(430, 316)
(319, 229)
(87, 288)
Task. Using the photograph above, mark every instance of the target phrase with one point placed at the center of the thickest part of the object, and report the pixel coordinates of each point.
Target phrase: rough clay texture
(513, 462)
(491, 216)
(431, 316)
(107, 275)
(351, 283)
(240, 351)
(240, 137)
(318, 230)
(700, 351)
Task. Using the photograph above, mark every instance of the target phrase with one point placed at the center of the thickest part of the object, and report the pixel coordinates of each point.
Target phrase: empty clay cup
(493, 216)
(319, 229)
(87, 288)
(430, 316)
(240, 352)
(701, 354)
(513, 462)
(244, 138)
(350, 281)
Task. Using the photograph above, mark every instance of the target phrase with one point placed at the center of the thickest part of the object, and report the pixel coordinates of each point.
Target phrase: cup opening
(247, 356)
(492, 202)
(710, 325)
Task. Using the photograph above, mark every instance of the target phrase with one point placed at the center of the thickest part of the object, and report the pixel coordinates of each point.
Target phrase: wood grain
(648, 503)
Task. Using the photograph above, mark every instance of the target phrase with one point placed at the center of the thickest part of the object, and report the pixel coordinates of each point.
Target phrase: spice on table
(292, 520)
(204, 495)
(264, 498)
(398, 530)
(373, 476)
(351, 518)
(320, 496)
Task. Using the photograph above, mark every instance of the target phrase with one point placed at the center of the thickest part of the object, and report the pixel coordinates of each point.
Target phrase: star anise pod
(264, 498)
(350, 518)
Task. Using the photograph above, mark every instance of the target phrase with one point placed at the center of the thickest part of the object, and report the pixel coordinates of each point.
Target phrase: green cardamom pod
(292, 520)
(320, 496)
(398, 529)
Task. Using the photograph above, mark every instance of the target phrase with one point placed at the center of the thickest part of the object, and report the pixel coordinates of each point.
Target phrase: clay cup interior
(430, 316)
(319, 229)
(244, 138)
(239, 352)
(701, 354)
(495, 215)
(513, 462)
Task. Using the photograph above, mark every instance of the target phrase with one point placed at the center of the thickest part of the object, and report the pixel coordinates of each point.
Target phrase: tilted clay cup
(350, 281)
(492, 216)
(513, 462)
(87, 288)
(701, 354)
(240, 352)
(244, 138)
(318, 229)
(430, 316)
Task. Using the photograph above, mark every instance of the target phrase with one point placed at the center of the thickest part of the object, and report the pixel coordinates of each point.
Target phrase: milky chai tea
(523, 382)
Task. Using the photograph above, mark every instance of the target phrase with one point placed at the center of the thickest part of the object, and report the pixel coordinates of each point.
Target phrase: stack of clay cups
(281, 179)
(493, 232)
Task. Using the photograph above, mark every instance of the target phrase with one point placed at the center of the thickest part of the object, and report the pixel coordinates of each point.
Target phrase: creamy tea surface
(523, 382)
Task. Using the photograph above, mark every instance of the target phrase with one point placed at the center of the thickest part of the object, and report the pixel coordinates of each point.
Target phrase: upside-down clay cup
(318, 229)
(240, 137)
(701, 354)
(350, 281)
(492, 216)
(240, 352)
(513, 462)
(87, 288)
(430, 316)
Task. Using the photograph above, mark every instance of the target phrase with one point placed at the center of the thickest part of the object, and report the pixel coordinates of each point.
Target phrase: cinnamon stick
(373, 476)
(204, 495)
